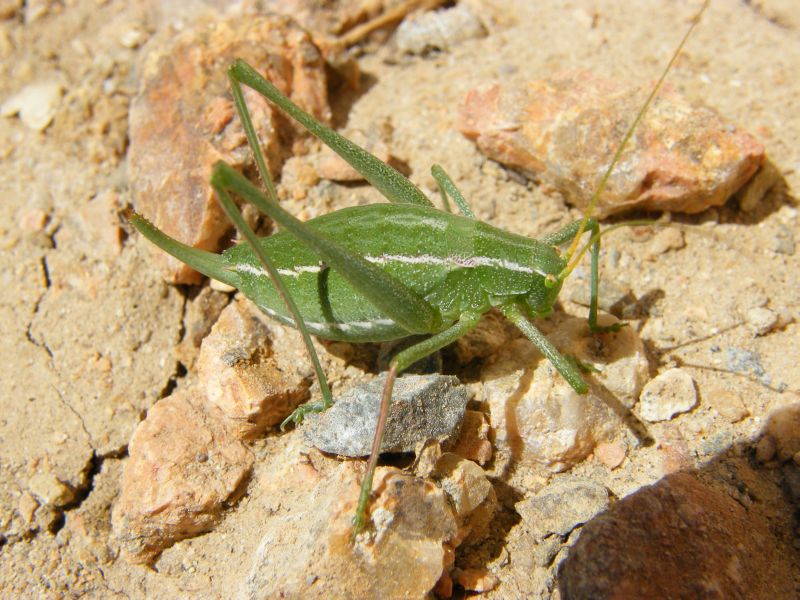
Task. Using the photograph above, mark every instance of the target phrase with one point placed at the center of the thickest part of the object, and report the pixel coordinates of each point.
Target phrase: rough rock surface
(676, 539)
(242, 374)
(547, 513)
(306, 547)
(682, 158)
(536, 414)
(183, 121)
(183, 465)
(438, 30)
(423, 407)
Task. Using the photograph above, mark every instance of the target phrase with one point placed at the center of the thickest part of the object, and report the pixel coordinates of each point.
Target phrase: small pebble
(48, 489)
(36, 104)
(610, 454)
(475, 580)
(218, 286)
(671, 393)
(761, 320)
(133, 38)
(728, 405)
(439, 30)
(782, 242)
(664, 241)
(34, 219)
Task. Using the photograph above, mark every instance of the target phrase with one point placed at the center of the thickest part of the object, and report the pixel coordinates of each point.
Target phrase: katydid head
(545, 285)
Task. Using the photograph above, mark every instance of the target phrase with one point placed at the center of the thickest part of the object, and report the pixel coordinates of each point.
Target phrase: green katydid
(387, 271)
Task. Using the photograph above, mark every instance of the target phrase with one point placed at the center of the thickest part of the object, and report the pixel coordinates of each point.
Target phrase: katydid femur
(386, 271)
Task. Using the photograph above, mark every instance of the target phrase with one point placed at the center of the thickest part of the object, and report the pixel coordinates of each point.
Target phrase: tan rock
(254, 370)
(473, 442)
(728, 404)
(183, 121)
(183, 465)
(782, 431)
(669, 394)
(471, 493)
(402, 554)
(475, 580)
(567, 128)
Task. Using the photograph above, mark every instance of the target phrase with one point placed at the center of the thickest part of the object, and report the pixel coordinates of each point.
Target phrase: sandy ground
(90, 331)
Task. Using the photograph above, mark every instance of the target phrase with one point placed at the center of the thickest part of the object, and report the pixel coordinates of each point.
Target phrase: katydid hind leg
(245, 230)
(399, 363)
(385, 178)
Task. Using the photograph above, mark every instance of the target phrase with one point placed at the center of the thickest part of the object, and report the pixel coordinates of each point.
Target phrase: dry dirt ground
(90, 331)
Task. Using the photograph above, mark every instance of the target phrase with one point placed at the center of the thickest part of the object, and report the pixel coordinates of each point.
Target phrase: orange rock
(182, 121)
(183, 465)
(610, 454)
(475, 580)
(256, 371)
(566, 130)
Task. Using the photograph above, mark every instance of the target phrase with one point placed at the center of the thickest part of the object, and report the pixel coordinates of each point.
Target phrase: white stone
(36, 104)
(671, 393)
(761, 320)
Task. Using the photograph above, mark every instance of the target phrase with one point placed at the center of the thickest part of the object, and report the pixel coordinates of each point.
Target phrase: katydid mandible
(386, 271)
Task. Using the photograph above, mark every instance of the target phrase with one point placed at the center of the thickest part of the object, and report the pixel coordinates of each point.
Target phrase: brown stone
(566, 130)
(183, 465)
(183, 121)
(678, 538)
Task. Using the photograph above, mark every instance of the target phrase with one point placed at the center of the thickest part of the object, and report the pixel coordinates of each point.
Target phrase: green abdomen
(428, 250)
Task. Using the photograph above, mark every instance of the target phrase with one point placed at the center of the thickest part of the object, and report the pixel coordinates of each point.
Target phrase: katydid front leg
(567, 234)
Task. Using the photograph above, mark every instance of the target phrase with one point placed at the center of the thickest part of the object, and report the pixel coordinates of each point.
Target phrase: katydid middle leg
(398, 364)
(566, 234)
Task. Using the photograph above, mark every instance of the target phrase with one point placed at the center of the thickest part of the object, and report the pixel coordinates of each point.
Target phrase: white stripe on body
(463, 262)
(321, 328)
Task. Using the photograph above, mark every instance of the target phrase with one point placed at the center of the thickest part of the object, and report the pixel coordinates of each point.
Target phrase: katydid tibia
(386, 271)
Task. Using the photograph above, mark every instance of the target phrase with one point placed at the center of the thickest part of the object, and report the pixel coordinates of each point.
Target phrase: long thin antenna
(628, 134)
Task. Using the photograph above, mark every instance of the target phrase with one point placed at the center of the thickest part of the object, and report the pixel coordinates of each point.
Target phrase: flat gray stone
(423, 407)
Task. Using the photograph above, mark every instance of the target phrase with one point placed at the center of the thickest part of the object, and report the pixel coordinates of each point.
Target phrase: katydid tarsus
(387, 271)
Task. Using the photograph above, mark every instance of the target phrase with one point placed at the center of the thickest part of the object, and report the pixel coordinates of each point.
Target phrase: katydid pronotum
(387, 271)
